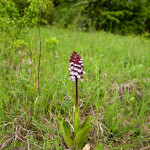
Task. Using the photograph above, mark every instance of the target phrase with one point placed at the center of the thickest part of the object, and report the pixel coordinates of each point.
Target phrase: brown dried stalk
(40, 51)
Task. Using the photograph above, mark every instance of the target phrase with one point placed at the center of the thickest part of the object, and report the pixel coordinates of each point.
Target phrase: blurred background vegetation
(117, 16)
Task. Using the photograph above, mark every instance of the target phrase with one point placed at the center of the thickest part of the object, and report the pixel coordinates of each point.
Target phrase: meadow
(115, 90)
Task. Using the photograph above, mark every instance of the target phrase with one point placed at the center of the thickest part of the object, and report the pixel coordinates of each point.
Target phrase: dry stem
(40, 49)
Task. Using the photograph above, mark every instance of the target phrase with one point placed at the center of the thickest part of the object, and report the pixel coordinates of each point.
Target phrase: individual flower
(76, 67)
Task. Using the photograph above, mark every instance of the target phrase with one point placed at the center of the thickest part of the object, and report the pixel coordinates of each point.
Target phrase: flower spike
(76, 67)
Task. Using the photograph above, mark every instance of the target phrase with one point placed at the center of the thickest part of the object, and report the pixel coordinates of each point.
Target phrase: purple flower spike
(76, 67)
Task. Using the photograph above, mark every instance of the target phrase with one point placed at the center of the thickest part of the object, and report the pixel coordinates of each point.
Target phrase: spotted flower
(76, 67)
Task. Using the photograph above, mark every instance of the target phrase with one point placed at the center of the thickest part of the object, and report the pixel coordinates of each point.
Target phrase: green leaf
(99, 147)
(65, 129)
(81, 136)
(86, 122)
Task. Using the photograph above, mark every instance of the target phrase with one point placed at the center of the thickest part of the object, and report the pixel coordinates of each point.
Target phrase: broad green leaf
(86, 122)
(81, 136)
(65, 129)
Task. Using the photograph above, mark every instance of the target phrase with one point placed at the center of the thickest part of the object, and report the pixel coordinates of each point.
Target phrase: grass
(115, 91)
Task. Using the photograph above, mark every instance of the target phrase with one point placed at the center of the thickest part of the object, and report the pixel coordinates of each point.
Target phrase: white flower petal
(79, 70)
(78, 76)
(81, 80)
(74, 73)
(75, 69)
(70, 64)
(72, 78)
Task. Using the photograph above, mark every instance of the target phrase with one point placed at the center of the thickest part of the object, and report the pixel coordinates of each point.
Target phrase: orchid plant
(76, 71)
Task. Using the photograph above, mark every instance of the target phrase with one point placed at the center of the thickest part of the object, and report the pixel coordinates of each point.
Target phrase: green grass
(115, 91)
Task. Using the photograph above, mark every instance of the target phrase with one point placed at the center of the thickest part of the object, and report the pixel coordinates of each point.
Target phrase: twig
(37, 146)
(5, 143)
(40, 49)
(24, 139)
(145, 148)
(70, 124)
